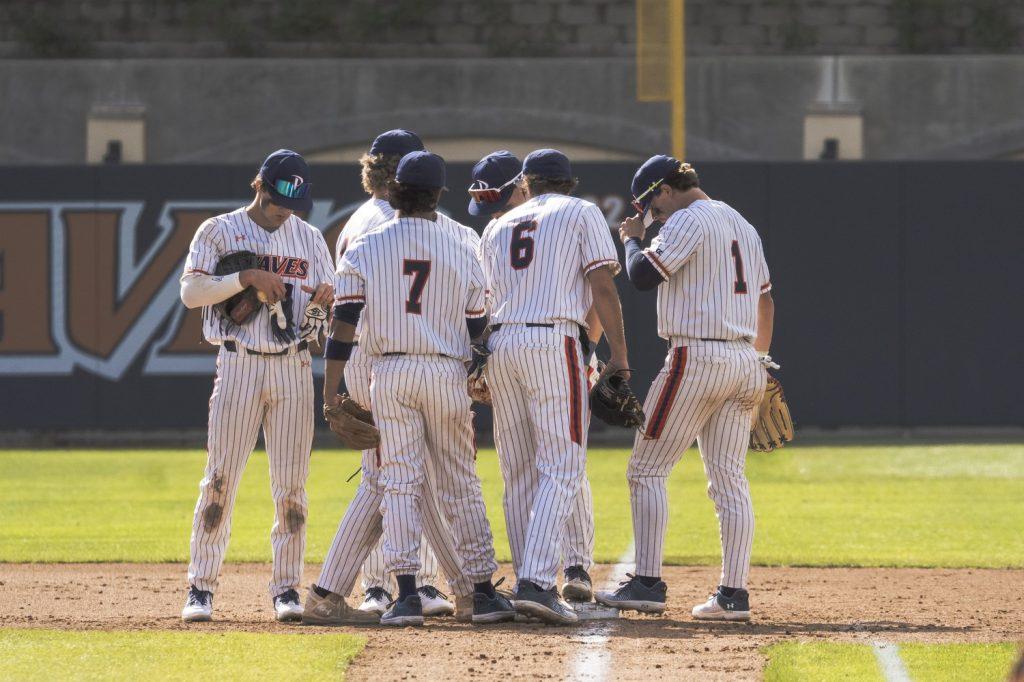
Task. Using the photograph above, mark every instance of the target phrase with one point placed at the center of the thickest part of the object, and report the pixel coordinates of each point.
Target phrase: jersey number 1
(420, 271)
(741, 284)
(521, 248)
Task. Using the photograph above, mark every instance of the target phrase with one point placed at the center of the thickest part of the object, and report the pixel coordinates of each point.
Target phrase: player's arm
(765, 323)
(609, 313)
(338, 348)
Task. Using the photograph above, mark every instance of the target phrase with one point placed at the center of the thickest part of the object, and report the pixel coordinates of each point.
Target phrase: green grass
(791, 661)
(948, 506)
(70, 655)
(958, 662)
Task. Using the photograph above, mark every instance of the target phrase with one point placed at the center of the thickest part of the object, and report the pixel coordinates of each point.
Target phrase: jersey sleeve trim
(342, 299)
(197, 271)
(767, 286)
(593, 265)
(658, 265)
(475, 313)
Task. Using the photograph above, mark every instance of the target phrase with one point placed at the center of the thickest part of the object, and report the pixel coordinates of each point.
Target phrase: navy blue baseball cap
(396, 142)
(285, 176)
(422, 169)
(649, 177)
(548, 163)
(494, 178)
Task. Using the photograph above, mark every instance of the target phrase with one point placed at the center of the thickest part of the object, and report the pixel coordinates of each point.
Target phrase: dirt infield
(840, 604)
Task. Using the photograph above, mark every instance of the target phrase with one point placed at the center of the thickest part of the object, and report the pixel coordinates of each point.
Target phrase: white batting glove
(767, 362)
(313, 319)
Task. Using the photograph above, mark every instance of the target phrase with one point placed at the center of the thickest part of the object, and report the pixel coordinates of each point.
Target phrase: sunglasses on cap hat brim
(293, 189)
(645, 213)
(489, 195)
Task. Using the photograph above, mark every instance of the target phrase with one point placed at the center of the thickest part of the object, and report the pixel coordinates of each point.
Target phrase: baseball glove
(243, 305)
(476, 383)
(612, 401)
(773, 425)
(353, 424)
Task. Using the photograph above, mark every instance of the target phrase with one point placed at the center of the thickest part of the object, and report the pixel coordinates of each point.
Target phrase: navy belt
(232, 347)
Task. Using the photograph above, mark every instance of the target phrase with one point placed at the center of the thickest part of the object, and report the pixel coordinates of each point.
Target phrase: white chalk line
(593, 659)
(888, 655)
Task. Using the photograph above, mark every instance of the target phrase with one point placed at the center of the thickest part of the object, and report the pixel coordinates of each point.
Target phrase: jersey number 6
(420, 271)
(521, 248)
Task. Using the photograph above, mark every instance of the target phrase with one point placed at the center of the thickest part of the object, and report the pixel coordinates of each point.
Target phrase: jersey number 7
(420, 271)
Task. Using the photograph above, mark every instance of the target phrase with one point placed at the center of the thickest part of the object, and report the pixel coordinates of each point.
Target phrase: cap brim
(293, 203)
(486, 208)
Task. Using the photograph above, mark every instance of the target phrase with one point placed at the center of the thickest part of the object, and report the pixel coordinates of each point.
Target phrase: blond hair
(377, 170)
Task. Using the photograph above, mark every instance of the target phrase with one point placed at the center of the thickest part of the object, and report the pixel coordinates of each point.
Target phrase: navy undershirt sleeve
(476, 326)
(640, 270)
(349, 312)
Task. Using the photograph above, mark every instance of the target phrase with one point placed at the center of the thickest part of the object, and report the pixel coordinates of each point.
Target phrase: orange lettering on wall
(97, 321)
(25, 308)
(189, 338)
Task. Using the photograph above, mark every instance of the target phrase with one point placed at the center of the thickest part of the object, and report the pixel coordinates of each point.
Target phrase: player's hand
(618, 365)
(268, 283)
(332, 400)
(323, 295)
(632, 228)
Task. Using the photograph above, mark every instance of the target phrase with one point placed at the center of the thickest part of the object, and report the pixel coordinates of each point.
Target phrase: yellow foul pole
(677, 75)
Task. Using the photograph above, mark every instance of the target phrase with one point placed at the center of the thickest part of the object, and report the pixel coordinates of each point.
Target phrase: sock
(728, 592)
(649, 580)
(321, 592)
(406, 586)
(530, 583)
(485, 588)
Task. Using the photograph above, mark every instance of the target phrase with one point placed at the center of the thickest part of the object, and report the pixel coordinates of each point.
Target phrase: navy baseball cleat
(633, 594)
(545, 605)
(408, 611)
(578, 585)
(720, 607)
(287, 607)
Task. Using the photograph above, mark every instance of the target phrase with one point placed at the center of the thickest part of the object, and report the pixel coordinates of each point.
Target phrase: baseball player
(547, 261)
(264, 377)
(715, 310)
(378, 168)
(495, 191)
(422, 288)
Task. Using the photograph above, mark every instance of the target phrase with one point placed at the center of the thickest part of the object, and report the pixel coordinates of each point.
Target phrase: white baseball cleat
(719, 607)
(198, 606)
(376, 601)
(287, 607)
(434, 602)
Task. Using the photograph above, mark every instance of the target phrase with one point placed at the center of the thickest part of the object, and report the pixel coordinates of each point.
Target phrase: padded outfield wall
(897, 287)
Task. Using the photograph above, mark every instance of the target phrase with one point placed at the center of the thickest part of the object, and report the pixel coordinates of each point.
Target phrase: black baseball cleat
(545, 605)
(287, 607)
(578, 585)
(408, 611)
(497, 609)
(719, 607)
(633, 594)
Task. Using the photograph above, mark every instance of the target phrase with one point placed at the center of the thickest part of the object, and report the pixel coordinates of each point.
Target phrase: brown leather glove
(352, 423)
(773, 425)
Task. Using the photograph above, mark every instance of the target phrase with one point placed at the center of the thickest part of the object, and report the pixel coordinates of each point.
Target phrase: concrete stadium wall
(896, 287)
(235, 110)
(497, 28)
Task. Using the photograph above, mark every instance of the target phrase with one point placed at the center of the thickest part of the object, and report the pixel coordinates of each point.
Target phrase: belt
(233, 347)
(546, 325)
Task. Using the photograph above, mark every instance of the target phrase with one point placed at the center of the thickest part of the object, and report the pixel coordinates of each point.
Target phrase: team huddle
(422, 316)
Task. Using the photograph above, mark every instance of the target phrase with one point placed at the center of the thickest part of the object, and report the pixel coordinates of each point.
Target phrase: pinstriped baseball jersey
(373, 213)
(715, 271)
(536, 255)
(420, 279)
(296, 251)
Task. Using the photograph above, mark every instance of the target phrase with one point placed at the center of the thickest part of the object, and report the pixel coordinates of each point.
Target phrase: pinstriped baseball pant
(706, 390)
(541, 416)
(357, 381)
(249, 392)
(421, 407)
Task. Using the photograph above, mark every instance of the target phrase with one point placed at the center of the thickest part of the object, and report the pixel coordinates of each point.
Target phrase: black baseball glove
(243, 305)
(613, 402)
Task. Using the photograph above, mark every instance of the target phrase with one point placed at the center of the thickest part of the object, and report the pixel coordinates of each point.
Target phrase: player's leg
(578, 546)
(236, 407)
(677, 405)
(556, 390)
(513, 439)
(288, 429)
(450, 440)
(723, 445)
